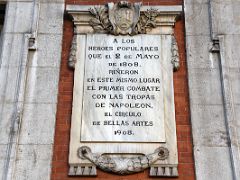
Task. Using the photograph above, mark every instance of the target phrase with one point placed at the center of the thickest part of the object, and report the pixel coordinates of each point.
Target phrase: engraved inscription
(123, 89)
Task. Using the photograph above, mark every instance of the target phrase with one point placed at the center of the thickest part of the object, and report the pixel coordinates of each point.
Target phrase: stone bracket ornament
(32, 42)
(215, 46)
(123, 165)
(82, 170)
(164, 171)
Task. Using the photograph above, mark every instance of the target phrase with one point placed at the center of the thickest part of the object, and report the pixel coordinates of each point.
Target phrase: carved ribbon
(120, 165)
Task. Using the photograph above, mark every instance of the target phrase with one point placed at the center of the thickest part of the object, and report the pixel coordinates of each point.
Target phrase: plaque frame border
(165, 22)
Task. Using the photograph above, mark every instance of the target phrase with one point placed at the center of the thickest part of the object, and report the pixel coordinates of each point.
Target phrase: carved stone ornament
(122, 18)
(175, 54)
(120, 165)
(72, 56)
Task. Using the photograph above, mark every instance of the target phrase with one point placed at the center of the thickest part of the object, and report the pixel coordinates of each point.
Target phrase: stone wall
(32, 97)
(212, 36)
(29, 73)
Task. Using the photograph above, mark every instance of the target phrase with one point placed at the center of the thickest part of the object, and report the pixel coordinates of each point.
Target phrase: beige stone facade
(30, 57)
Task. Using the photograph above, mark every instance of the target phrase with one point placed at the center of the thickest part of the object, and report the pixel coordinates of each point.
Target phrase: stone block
(234, 80)
(205, 86)
(38, 123)
(12, 50)
(51, 17)
(236, 157)
(230, 49)
(11, 84)
(5, 121)
(237, 114)
(198, 54)
(226, 17)
(18, 17)
(208, 125)
(33, 162)
(3, 149)
(212, 163)
(42, 85)
(195, 1)
(196, 19)
(7, 159)
(49, 48)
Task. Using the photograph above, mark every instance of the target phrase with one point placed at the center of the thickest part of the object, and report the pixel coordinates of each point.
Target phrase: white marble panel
(123, 89)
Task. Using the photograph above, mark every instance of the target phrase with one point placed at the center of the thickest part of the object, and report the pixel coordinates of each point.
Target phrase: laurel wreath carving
(147, 21)
(101, 23)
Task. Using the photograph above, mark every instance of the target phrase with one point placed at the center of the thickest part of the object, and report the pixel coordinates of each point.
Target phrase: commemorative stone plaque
(123, 115)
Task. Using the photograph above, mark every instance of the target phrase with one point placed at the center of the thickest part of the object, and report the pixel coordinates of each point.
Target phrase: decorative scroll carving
(122, 18)
(72, 56)
(120, 165)
(175, 54)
